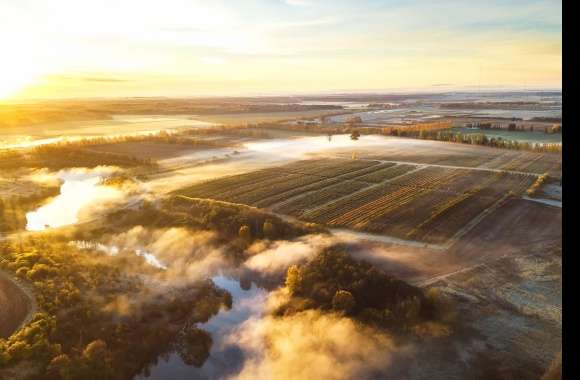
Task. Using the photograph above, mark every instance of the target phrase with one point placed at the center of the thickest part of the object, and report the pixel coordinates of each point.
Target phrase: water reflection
(79, 190)
(224, 358)
(113, 250)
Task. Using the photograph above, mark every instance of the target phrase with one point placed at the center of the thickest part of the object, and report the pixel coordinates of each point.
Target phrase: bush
(268, 229)
(245, 233)
(343, 300)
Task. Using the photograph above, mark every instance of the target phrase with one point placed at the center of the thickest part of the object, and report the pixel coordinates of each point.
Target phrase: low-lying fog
(81, 193)
(117, 126)
(207, 164)
(81, 188)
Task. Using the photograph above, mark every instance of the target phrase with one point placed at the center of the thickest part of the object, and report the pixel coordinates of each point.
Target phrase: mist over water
(226, 359)
(80, 189)
(298, 148)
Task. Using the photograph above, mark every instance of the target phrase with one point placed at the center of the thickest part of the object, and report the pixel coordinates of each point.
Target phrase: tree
(194, 346)
(245, 232)
(60, 367)
(95, 351)
(96, 361)
(354, 120)
(343, 300)
(293, 279)
(268, 228)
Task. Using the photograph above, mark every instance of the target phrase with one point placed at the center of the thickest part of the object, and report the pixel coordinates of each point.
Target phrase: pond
(225, 358)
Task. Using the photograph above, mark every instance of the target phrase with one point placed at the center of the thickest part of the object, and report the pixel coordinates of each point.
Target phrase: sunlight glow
(182, 48)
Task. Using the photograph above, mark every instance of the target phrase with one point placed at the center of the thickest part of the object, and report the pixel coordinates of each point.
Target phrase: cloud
(298, 3)
(103, 79)
(275, 257)
(97, 79)
(311, 345)
(212, 60)
(185, 256)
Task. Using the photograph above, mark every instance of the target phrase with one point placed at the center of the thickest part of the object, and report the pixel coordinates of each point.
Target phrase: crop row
(332, 213)
(353, 175)
(402, 222)
(327, 167)
(428, 177)
(264, 189)
(316, 170)
(449, 217)
(443, 209)
(312, 199)
(386, 173)
(267, 187)
(372, 169)
(361, 216)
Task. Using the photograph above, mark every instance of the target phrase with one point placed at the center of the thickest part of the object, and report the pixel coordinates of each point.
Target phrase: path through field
(17, 305)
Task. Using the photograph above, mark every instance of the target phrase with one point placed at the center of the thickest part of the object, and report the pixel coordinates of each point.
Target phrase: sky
(111, 48)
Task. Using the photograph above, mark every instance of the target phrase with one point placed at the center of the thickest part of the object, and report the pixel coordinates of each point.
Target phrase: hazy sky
(65, 48)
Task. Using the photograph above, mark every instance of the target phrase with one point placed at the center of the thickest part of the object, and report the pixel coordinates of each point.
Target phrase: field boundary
(475, 221)
(496, 170)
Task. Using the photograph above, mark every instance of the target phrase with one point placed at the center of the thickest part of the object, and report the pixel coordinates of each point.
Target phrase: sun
(15, 77)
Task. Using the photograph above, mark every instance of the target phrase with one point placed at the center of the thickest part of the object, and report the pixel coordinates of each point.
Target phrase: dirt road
(16, 305)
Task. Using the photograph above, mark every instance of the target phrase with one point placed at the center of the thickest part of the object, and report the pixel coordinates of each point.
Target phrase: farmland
(444, 154)
(249, 209)
(421, 202)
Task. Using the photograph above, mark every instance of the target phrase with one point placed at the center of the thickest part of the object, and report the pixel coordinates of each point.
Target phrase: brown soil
(519, 226)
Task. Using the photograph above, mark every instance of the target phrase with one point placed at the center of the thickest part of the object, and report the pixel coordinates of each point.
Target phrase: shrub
(245, 232)
(343, 300)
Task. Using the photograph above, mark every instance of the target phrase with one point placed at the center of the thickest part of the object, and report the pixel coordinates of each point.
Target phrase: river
(225, 358)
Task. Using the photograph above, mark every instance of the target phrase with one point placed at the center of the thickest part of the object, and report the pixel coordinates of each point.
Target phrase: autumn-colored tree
(245, 232)
(96, 361)
(268, 229)
(60, 367)
(343, 300)
(293, 279)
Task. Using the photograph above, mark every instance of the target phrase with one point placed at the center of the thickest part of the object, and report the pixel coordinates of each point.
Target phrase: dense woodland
(236, 225)
(60, 156)
(333, 281)
(13, 208)
(92, 311)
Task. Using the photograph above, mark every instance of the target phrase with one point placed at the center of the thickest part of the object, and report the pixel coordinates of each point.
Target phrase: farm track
(475, 221)
(19, 304)
(495, 170)
(449, 215)
(549, 202)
